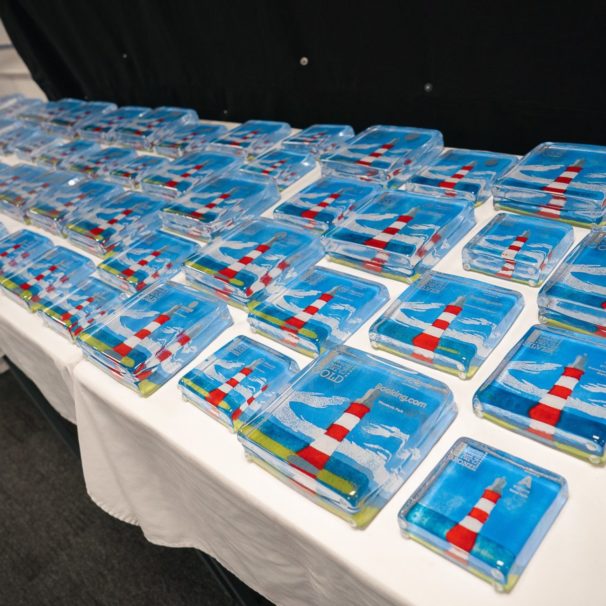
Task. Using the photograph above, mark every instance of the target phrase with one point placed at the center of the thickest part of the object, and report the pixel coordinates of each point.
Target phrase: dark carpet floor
(57, 547)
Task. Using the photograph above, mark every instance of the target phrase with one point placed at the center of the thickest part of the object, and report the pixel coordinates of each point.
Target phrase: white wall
(14, 75)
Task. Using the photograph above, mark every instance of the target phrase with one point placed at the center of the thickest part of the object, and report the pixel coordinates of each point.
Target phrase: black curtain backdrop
(501, 76)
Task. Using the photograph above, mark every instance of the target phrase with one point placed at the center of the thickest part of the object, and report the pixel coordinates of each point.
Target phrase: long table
(183, 478)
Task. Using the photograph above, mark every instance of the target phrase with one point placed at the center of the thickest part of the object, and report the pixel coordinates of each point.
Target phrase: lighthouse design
(267, 278)
(313, 458)
(510, 254)
(545, 415)
(68, 315)
(313, 138)
(452, 181)
(231, 271)
(218, 395)
(239, 141)
(185, 175)
(295, 323)
(165, 353)
(273, 167)
(426, 343)
(202, 210)
(379, 152)
(124, 348)
(105, 225)
(40, 279)
(130, 271)
(240, 411)
(463, 535)
(154, 276)
(382, 239)
(558, 188)
(314, 211)
(10, 250)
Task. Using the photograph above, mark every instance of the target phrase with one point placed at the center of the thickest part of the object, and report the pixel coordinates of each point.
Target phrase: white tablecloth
(44, 356)
(166, 466)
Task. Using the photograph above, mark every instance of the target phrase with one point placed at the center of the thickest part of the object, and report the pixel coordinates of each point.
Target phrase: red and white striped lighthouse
(104, 225)
(313, 458)
(295, 323)
(379, 152)
(142, 284)
(452, 181)
(558, 188)
(68, 315)
(311, 138)
(267, 278)
(165, 353)
(40, 279)
(130, 271)
(273, 167)
(463, 535)
(202, 210)
(510, 254)
(185, 175)
(127, 346)
(382, 239)
(231, 271)
(316, 209)
(216, 396)
(426, 343)
(545, 415)
(238, 141)
(10, 250)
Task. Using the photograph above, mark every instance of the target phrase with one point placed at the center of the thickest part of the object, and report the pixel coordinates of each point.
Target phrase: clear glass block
(464, 173)
(484, 510)
(129, 173)
(154, 258)
(520, 249)
(20, 248)
(349, 431)
(215, 206)
(246, 264)
(447, 322)
(283, 167)
(325, 203)
(188, 138)
(141, 131)
(21, 184)
(99, 128)
(238, 381)
(60, 155)
(178, 177)
(154, 335)
(252, 138)
(115, 223)
(27, 148)
(97, 164)
(560, 181)
(575, 295)
(399, 234)
(551, 388)
(319, 139)
(10, 137)
(317, 311)
(80, 308)
(384, 154)
(46, 278)
(66, 122)
(52, 209)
